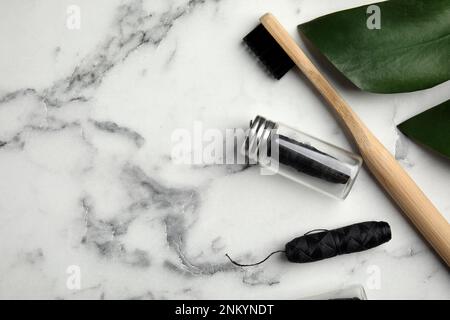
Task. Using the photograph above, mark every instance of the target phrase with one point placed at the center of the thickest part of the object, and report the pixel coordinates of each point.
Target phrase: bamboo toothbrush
(275, 48)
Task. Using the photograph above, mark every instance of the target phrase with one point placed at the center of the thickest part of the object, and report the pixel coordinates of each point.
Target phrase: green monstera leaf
(431, 128)
(410, 51)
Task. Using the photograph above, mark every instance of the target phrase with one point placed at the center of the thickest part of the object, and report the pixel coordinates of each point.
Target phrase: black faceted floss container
(301, 157)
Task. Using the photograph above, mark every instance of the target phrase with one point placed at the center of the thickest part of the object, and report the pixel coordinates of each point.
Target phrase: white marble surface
(86, 177)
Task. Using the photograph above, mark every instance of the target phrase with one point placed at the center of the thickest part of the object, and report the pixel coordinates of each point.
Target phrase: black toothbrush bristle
(268, 51)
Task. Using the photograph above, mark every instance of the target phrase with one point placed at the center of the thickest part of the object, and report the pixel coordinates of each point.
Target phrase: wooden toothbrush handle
(417, 207)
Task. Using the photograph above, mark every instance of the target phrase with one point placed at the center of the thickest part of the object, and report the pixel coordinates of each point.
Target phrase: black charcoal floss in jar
(301, 157)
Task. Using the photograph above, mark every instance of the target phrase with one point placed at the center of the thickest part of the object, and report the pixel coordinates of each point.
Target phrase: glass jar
(301, 157)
